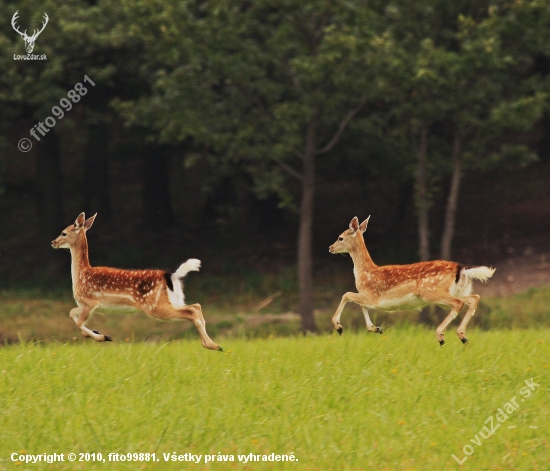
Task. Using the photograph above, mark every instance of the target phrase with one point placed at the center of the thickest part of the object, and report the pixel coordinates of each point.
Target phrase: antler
(35, 34)
(16, 28)
(24, 35)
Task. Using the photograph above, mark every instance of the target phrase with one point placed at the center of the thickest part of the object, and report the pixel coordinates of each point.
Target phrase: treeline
(271, 98)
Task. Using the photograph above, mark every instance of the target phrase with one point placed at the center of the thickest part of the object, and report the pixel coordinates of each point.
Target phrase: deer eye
(64, 234)
(340, 239)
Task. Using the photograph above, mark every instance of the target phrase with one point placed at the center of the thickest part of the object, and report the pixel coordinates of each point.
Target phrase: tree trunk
(422, 202)
(402, 211)
(452, 202)
(49, 179)
(96, 172)
(50, 184)
(305, 275)
(157, 206)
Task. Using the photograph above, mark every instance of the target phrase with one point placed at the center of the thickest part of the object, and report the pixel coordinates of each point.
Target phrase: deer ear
(88, 223)
(363, 225)
(354, 225)
(79, 221)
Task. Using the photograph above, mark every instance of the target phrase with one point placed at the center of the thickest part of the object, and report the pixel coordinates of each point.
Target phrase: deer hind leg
(193, 313)
(200, 324)
(472, 302)
(456, 305)
(357, 298)
(80, 315)
(370, 326)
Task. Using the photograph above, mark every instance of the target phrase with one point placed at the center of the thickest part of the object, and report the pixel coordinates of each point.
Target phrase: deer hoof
(464, 340)
(220, 349)
(441, 343)
(339, 329)
(107, 338)
(379, 330)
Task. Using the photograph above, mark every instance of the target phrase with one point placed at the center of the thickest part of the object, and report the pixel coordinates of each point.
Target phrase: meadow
(260, 307)
(361, 401)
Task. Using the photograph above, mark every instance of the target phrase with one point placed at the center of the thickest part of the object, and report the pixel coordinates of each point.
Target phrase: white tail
(156, 292)
(479, 273)
(177, 298)
(395, 287)
(462, 286)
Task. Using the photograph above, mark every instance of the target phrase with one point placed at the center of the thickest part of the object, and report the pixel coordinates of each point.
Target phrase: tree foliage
(282, 91)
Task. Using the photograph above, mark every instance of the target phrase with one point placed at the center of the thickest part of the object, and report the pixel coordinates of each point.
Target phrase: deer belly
(115, 300)
(400, 303)
(119, 308)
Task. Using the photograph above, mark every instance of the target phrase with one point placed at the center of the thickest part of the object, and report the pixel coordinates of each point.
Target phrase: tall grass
(387, 402)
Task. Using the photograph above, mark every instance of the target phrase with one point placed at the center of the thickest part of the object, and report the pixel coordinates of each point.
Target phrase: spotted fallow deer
(400, 287)
(158, 293)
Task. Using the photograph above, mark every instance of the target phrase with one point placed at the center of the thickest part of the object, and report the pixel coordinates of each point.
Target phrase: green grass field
(361, 401)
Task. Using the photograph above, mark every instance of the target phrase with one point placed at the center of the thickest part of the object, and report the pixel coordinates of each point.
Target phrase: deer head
(69, 236)
(347, 239)
(29, 40)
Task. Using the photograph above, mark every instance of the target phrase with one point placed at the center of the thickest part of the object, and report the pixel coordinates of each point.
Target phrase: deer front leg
(357, 298)
(370, 326)
(338, 313)
(74, 315)
(79, 315)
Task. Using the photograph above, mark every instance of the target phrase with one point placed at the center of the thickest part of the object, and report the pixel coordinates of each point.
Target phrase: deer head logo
(29, 40)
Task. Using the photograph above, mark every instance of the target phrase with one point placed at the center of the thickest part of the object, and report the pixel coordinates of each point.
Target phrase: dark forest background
(248, 134)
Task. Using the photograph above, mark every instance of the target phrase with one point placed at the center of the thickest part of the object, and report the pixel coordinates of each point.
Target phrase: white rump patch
(176, 297)
(463, 287)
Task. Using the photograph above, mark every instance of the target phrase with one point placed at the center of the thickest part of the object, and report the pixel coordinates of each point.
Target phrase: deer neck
(361, 258)
(79, 257)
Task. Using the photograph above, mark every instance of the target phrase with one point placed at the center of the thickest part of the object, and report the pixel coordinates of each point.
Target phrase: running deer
(158, 293)
(397, 287)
